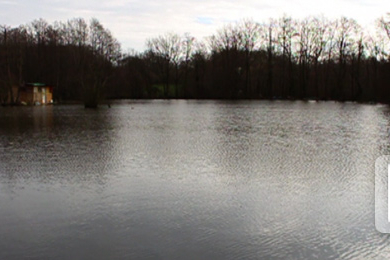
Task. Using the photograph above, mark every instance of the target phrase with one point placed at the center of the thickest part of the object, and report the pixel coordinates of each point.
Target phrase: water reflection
(55, 143)
(173, 179)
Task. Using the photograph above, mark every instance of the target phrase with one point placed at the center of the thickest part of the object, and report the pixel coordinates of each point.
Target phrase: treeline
(76, 58)
(313, 58)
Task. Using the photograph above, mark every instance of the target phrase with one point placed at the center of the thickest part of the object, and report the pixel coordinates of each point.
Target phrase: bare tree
(77, 32)
(12, 49)
(226, 47)
(285, 35)
(188, 48)
(384, 24)
(105, 51)
(168, 48)
(344, 40)
(200, 57)
(311, 46)
(39, 30)
(268, 35)
(249, 35)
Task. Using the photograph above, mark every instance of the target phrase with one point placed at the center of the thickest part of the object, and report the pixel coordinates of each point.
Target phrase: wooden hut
(36, 94)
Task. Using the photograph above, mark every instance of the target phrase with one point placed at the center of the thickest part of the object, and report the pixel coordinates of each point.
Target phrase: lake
(192, 180)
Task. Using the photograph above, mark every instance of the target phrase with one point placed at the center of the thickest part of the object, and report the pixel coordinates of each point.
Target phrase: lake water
(192, 180)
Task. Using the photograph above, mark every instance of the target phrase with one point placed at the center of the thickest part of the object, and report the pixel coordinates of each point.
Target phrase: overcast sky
(133, 21)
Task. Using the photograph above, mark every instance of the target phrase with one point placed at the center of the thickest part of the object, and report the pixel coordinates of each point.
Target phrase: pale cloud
(8, 3)
(134, 21)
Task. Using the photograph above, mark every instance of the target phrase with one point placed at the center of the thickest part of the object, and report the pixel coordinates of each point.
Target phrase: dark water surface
(191, 180)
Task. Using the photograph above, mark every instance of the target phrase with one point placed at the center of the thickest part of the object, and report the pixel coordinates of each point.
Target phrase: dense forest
(312, 58)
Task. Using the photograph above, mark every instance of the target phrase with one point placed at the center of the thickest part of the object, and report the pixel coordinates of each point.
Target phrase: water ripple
(192, 179)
